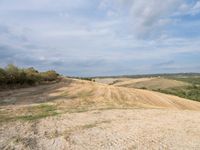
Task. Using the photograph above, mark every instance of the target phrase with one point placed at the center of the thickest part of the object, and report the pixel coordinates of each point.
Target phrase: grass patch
(191, 80)
(5, 118)
(39, 112)
(33, 113)
(188, 92)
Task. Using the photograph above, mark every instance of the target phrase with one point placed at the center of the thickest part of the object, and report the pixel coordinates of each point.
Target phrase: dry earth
(77, 115)
(107, 129)
(151, 83)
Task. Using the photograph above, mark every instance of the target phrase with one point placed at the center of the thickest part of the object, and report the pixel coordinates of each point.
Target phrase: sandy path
(107, 130)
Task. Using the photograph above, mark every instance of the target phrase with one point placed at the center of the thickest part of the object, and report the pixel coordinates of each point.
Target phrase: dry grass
(152, 83)
(75, 114)
(78, 96)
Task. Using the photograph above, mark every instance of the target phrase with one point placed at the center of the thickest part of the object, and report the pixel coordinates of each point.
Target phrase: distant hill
(151, 75)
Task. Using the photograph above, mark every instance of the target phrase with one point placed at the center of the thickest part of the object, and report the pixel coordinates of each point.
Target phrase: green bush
(32, 76)
(12, 76)
(84, 78)
(2, 76)
(49, 75)
(188, 92)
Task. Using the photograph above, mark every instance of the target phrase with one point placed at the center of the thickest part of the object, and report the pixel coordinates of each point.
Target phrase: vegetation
(84, 78)
(194, 80)
(39, 112)
(12, 76)
(30, 113)
(167, 75)
(190, 92)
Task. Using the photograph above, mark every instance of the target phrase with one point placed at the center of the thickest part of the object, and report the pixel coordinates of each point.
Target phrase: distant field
(191, 91)
(152, 83)
(186, 86)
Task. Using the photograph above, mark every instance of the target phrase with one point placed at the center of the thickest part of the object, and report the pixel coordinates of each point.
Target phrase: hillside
(77, 114)
(73, 95)
(152, 83)
(183, 86)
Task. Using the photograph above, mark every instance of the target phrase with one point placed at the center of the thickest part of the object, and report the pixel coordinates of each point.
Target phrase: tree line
(12, 75)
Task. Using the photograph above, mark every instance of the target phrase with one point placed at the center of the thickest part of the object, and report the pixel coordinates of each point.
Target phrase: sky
(101, 37)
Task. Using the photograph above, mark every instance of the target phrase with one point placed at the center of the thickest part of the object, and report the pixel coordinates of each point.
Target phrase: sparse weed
(34, 113)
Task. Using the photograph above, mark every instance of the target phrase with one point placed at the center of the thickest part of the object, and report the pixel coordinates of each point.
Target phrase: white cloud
(81, 34)
(39, 5)
(188, 9)
(145, 17)
(195, 9)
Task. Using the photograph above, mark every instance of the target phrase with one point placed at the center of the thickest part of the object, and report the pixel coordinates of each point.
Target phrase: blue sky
(101, 37)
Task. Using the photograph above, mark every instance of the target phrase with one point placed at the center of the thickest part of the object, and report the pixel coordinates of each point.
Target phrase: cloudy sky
(101, 37)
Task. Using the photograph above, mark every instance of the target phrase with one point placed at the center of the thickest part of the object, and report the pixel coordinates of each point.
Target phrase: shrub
(2, 76)
(12, 76)
(32, 76)
(49, 75)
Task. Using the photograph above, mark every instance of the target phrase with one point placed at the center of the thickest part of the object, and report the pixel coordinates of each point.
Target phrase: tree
(12, 74)
(49, 75)
(3, 79)
(32, 76)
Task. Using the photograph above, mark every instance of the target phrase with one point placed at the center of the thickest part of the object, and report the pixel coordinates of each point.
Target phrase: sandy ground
(96, 116)
(143, 129)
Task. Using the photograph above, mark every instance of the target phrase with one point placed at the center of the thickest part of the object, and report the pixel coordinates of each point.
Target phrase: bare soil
(107, 129)
(76, 115)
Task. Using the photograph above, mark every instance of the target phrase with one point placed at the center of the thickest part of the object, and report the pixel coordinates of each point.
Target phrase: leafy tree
(32, 76)
(2, 76)
(12, 75)
(49, 75)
